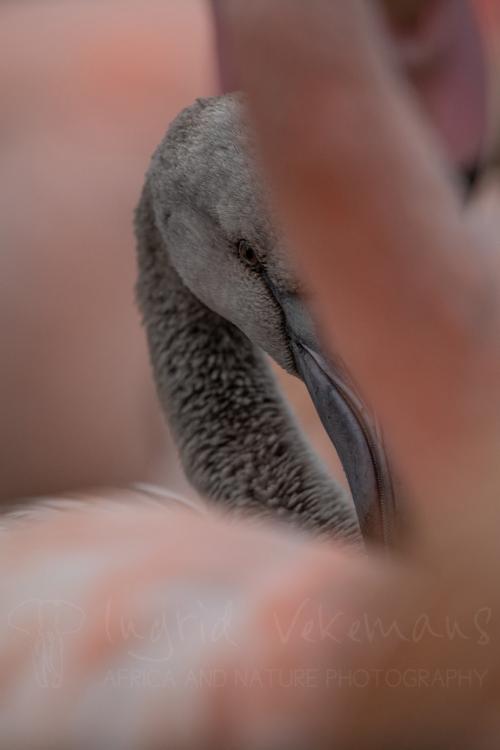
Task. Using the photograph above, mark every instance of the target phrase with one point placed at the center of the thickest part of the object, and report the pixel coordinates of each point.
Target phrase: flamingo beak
(349, 423)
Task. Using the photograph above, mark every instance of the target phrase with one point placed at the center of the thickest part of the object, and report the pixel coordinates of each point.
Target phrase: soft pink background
(87, 91)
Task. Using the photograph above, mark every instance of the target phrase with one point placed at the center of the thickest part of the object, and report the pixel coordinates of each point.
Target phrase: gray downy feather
(238, 443)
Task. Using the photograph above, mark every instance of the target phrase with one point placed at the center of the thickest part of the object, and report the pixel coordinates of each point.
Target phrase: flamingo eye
(247, 254)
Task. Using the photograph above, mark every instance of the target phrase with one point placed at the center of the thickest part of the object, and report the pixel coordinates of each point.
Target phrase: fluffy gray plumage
(208, 315)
